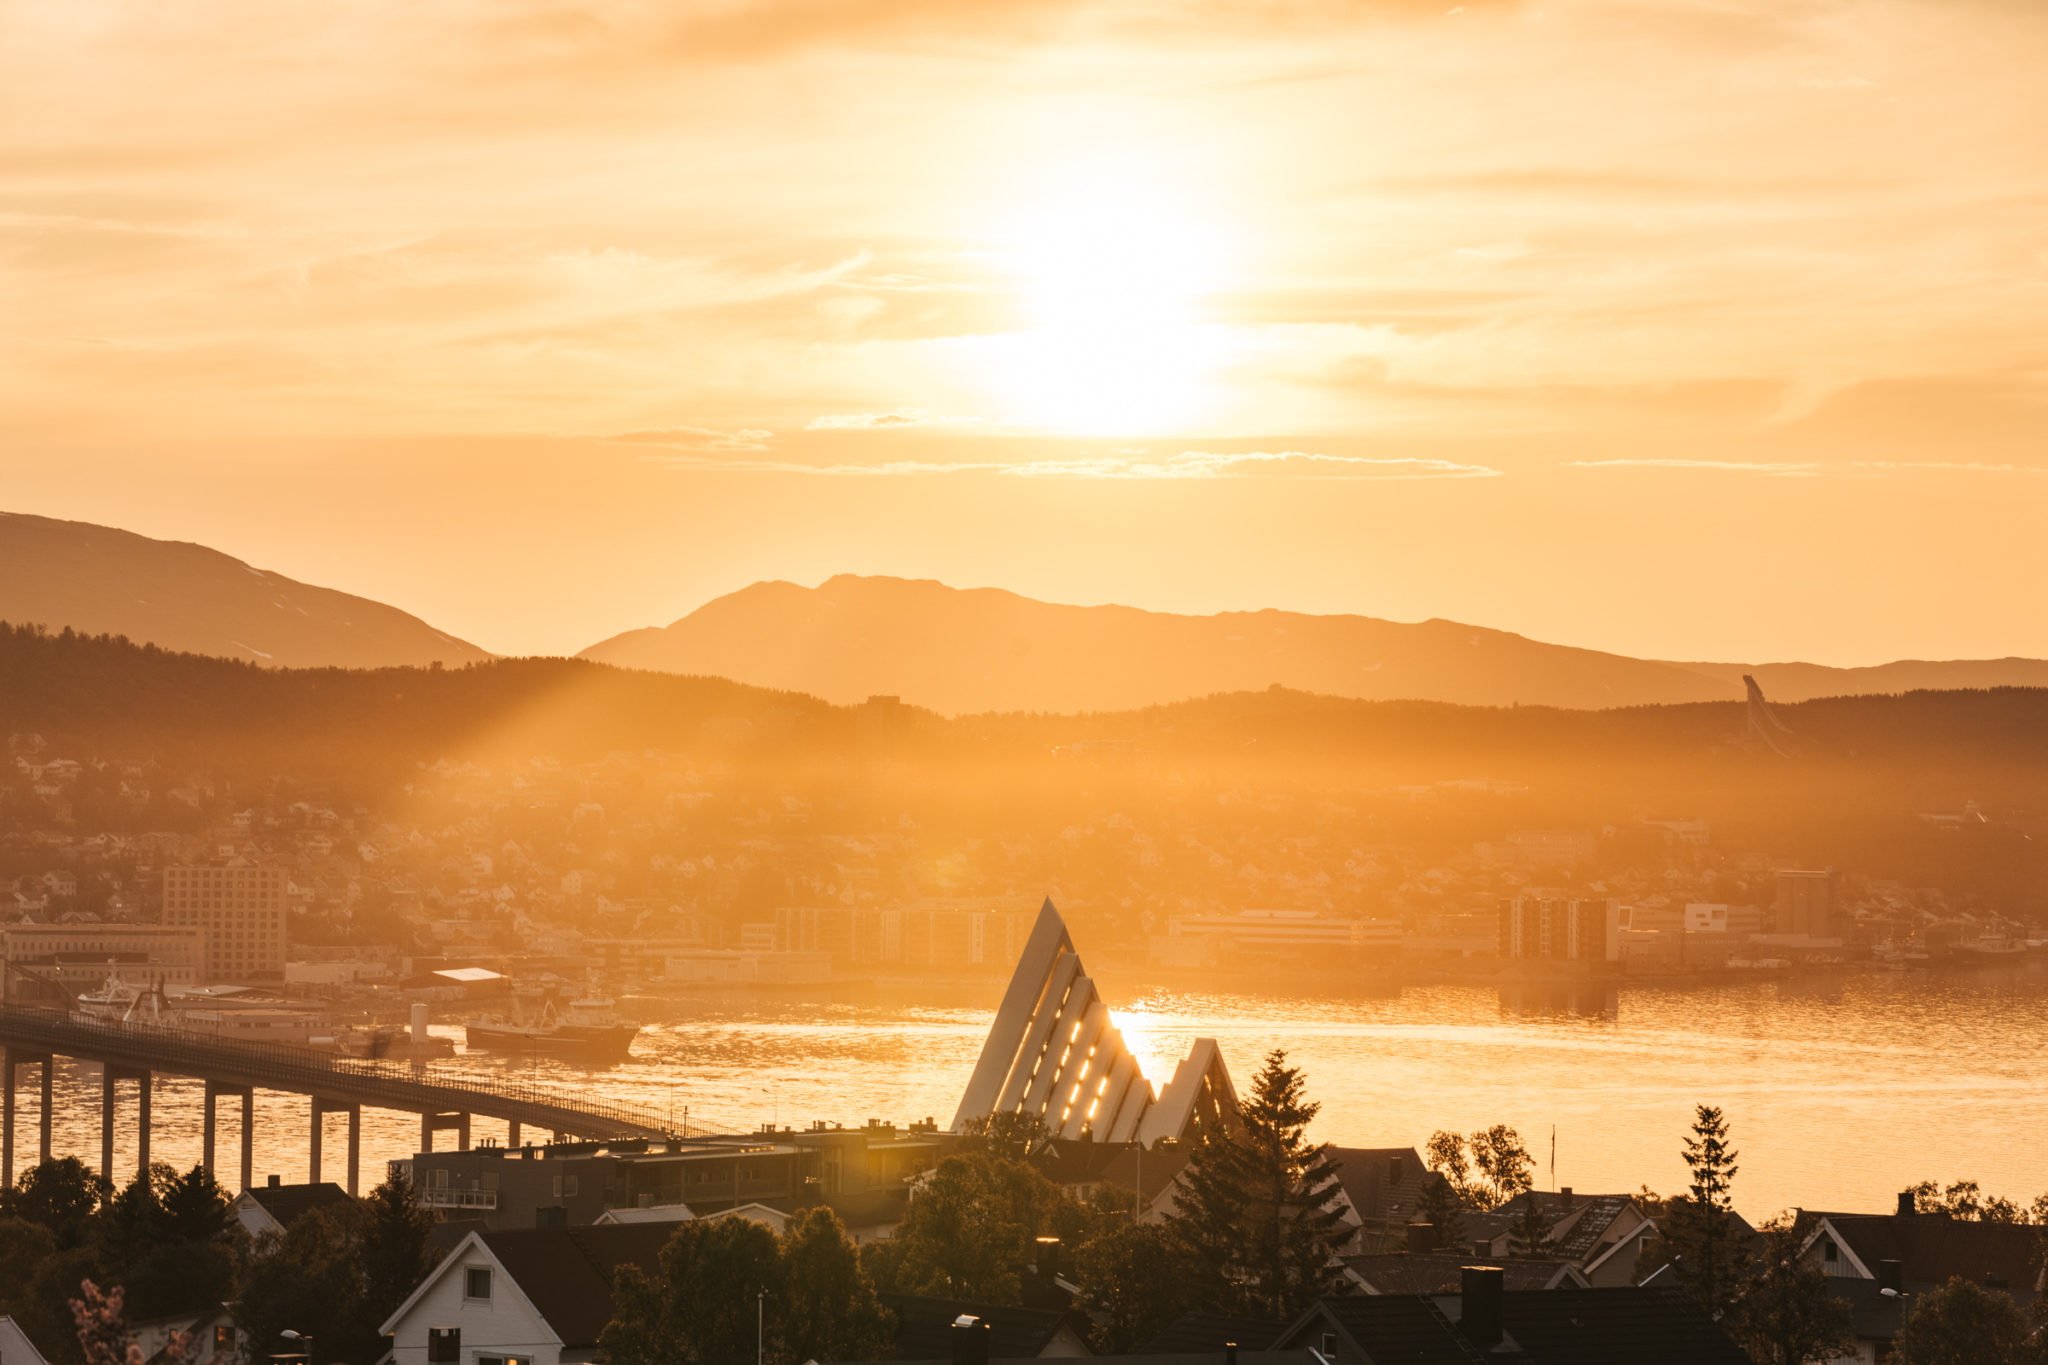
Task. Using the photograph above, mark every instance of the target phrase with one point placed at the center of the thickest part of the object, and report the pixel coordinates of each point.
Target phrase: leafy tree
(1965, 1199)
(1441, 1208)
(1445, 1154)
(309, 1279)
(1711, 1257)
(1501, 1163)
(63, 1194)
(171, 1241)
(1134, 1283)
(702, 1304)
(829, 1310)
(1012, 1135)
(971, 1224)
(1295, 1223)
(1963, 1323)
(1786, 1314)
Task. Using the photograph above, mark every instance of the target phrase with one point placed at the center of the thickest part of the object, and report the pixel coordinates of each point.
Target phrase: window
(569, 1187)
(476, 1283)
(1827, 1250)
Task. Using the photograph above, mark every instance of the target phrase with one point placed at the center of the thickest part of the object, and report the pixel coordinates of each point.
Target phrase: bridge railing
(288, 1068)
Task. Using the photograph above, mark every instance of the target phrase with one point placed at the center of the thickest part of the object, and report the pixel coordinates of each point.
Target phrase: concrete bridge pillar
(321, 1108)
(431, 1124)
(209, 1131)
(109, 1074)
(11, 1059)
(512, 1132)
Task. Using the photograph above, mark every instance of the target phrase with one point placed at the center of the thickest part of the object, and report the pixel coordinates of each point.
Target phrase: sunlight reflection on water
(1841, 1092)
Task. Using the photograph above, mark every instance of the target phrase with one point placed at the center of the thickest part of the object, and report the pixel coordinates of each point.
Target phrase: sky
(1696, 329)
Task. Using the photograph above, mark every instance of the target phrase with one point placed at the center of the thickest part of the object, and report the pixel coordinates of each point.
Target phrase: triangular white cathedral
(1052, 1053)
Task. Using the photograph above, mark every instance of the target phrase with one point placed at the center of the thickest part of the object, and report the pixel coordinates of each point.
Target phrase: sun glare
(1113, 268)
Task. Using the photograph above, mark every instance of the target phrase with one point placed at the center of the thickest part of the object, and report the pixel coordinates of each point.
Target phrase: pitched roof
(924, 1326)
(1556, 1327)
(1932, 1248)
(1395, 1329)
(1617, 1327)
(1438, 1272)
(1120, 1164)
(1383, 1183)
(567, 1272)
(1210, 1333)
(288, 1203)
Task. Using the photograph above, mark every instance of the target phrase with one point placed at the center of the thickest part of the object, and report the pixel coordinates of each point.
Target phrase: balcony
(431, 1198)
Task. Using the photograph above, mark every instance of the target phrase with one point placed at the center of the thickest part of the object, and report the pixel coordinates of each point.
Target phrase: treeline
(1859, 771)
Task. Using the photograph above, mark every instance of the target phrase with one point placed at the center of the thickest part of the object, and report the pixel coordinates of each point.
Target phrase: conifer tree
(1294, 1222)
(1443, 1210)
(1529, 1233)
(1712, 1258)
(1209, 1214)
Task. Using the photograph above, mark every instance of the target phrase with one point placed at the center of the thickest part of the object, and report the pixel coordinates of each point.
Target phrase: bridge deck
(347, 1080)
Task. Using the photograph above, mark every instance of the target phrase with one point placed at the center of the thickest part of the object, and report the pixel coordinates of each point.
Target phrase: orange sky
(1689, 328)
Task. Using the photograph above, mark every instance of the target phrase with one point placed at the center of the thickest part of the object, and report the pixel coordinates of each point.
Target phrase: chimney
(1229, 1353)
(1564, 1196)
(1906, 1203)
(1420, 1237)
(273, 1181)
(1891, 1275)
(1394, 1169)
(1483, 1299)
(970, 1340)
(1048, 1258)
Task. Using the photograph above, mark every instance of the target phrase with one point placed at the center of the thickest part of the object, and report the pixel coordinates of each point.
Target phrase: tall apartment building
(1552, 927)
(240, 905)
(1806, 902)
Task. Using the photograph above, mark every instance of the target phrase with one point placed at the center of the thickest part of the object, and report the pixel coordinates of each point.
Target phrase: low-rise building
(1602, 1234)
(532, 1296)
(78, 957)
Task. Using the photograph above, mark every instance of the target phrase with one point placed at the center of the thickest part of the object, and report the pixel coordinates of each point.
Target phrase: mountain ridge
(184, 596)
(971, 650)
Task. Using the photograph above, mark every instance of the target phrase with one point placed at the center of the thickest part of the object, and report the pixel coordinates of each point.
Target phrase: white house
(15, 1347)
(528, 1296)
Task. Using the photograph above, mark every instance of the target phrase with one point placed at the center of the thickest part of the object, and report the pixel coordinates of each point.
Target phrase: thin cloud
(697, 438)
(1189, 464)
(1778, 469)
(886, 421)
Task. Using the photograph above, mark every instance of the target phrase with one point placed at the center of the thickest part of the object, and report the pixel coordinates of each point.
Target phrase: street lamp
(289, 1335)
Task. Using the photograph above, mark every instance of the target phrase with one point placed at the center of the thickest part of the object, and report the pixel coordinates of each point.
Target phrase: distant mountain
(983, 649)
(179, 596)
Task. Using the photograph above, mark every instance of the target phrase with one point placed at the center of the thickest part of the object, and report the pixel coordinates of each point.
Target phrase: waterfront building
(1560, 929)
(1806, 902)
(863, 1174)
(240, 905)
(79, 957)
(1296, 936)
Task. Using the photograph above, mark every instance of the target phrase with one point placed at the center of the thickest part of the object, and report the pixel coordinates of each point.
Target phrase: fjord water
(1842, 1089)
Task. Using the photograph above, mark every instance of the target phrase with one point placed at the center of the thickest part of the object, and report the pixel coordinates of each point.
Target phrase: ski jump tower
(1053, 1054)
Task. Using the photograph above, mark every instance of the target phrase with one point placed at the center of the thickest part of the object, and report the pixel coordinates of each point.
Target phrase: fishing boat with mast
(588, 1029)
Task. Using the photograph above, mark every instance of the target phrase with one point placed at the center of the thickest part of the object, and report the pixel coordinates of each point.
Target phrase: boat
(586, 1028)
(1992, 945)
(390, 1042)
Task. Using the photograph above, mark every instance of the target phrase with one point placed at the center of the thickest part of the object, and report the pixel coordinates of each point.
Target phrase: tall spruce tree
(1294, 1220)
(1712, 1256)
(1209, 1214)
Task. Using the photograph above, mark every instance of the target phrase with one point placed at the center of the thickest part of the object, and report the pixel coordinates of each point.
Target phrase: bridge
(444, 1098)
